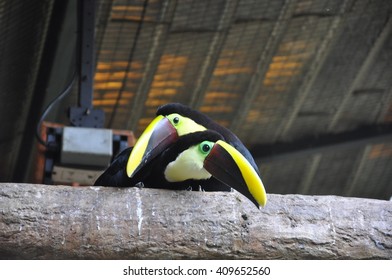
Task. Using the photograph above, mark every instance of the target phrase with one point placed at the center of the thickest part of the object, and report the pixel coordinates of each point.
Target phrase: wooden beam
(362, 72)
(151, 65)
(359, 138)
(311, 172)
(62, 222)
(263, 63)
(214, 50)
(313, 70)
(352, 180)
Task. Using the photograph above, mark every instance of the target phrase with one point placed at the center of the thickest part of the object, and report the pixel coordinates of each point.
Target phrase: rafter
(214, 50)
(360, 137)
(263, 63)
(159, 36)
(363, 70)
(313, 70)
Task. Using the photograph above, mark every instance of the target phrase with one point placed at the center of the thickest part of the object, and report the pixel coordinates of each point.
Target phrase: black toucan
(173, 122)
(199, 160)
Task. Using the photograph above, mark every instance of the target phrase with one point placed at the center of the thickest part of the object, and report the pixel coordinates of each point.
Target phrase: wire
(68, 88)
(64, 93)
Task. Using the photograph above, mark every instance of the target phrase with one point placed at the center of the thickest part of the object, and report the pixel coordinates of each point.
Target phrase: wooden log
(62, 222)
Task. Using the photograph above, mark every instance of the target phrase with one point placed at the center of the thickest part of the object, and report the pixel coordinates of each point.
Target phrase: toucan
(175, 120)
(199, 160)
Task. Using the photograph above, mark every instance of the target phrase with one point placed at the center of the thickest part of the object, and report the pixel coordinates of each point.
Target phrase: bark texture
(62, 222)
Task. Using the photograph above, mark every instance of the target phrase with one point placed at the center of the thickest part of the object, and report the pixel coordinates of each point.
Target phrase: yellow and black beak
(229, 166)
(159, 134)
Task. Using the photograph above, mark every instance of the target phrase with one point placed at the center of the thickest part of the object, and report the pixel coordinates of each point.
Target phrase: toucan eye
(176, 120)
(205, 147)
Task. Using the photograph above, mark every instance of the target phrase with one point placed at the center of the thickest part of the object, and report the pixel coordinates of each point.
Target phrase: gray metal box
(87, 146)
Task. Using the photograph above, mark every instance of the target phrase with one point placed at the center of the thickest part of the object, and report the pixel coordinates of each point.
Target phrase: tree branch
(61, 222)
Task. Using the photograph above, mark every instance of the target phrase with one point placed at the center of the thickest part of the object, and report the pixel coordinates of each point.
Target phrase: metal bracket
(84, 115)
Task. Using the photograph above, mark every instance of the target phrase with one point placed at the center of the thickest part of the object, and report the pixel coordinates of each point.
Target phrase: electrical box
(87, 146)
(77, 156)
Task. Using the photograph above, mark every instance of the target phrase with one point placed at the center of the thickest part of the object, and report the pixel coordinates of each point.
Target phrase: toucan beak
(159, 134)
(229, 166)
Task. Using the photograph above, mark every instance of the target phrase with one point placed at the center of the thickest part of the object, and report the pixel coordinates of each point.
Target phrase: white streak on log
(139, 212)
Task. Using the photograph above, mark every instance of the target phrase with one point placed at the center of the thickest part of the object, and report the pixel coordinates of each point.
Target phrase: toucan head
(160, 134)
(193, 158)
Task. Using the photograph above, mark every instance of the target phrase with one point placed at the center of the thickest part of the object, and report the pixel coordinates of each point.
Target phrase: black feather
(152, 174)
(115, 175)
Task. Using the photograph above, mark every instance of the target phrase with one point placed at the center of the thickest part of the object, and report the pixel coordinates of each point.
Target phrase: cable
(68, 88)
(50, 106)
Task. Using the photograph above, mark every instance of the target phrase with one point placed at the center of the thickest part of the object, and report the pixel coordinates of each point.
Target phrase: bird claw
(139, 185)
